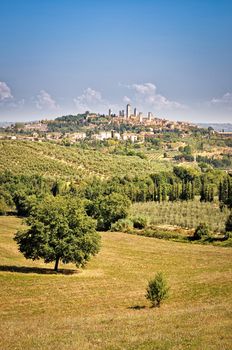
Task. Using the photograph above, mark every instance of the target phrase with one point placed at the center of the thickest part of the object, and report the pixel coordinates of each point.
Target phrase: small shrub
(140, 222)
(122, 225)
(157, 290)
(202, 231)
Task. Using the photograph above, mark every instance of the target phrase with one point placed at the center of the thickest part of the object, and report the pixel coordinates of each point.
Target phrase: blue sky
(171, 57)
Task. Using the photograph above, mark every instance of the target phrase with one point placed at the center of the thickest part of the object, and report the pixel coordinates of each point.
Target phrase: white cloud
(44, 101)
(7, 100)
(90, 100)
(126, 99)
(5, 91)
(144, 89)
(146, 96)
(225, 100)
(89, 96)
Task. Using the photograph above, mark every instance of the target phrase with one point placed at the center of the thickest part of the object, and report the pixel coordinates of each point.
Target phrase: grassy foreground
(103, 306)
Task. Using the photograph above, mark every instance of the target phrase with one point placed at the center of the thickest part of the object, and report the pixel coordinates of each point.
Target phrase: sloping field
(155, 155)
(103, 306)
(55, 160)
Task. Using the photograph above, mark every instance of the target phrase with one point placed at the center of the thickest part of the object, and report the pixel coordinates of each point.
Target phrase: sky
(170, 57)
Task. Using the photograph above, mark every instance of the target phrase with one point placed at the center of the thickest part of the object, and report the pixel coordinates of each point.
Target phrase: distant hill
(217, 126)
(5, 124)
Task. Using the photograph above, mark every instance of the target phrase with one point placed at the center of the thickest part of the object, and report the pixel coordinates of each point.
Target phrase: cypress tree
(203, 191)
(220, 197)
(164, 193)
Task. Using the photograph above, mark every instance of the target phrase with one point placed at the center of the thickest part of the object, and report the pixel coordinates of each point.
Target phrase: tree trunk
(56, 264)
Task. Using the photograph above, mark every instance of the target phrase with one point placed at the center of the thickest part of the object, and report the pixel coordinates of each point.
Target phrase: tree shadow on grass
(38, 270)
(137, 307)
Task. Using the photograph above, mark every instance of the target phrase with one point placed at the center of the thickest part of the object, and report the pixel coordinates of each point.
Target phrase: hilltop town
(95, 126)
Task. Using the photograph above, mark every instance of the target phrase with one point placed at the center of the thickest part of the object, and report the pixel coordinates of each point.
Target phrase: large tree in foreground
(59, 230)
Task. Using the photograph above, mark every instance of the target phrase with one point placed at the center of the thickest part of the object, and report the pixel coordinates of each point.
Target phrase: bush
(228, 235)
(157, 233)
(140, 222)
(157, 290)
(122, 225)
(202, 231)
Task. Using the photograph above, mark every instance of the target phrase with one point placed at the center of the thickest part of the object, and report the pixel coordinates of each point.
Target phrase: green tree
(18, 126)
(3, 207)
(187, 150)
(59, 230)
(6, 197)
(24, 203)
(109, 209)
(186, 174)
(225, 191)
(228, 225)
(157, 290)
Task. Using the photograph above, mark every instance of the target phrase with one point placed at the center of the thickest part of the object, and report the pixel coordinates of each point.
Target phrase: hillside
(50, 159)
(217, 126)
(103, 306)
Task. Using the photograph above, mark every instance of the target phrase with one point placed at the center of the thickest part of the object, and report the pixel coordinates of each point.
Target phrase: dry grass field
(103, 306)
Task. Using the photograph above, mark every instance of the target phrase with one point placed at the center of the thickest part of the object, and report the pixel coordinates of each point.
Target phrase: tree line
(23, 192)
(63, 217)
